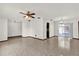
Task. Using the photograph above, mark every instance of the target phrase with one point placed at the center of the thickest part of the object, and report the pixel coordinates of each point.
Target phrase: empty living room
(39, 29)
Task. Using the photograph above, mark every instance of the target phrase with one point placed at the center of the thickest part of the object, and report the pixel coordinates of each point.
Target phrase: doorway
(47, 30)
(65, 30)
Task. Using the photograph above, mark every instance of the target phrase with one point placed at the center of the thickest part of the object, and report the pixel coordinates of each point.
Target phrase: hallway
(19, 46)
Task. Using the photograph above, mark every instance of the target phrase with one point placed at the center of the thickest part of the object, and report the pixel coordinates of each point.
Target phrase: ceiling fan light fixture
(27, 18)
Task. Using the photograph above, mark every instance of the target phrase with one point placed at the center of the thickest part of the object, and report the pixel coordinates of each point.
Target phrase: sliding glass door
(65, 29)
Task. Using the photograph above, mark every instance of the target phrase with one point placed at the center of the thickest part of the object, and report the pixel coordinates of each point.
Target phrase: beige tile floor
(54, 46)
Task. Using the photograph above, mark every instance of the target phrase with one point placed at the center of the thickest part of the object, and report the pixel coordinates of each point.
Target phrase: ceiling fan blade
(24, 16)
(22, 13)
(32, 17)
(32, 14)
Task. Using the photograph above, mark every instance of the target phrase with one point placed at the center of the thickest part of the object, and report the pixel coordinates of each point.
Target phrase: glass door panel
(65, 30)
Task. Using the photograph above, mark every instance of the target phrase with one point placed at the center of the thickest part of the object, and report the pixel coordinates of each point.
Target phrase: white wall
(14, 28)
(33, 28)
(27, 29)
(3, 29)
(75, 29)
(38, 28)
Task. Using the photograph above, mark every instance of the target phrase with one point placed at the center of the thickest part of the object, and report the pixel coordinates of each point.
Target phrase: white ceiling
(46, 10)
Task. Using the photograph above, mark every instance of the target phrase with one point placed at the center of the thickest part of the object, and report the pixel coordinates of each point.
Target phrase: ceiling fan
(28, 15)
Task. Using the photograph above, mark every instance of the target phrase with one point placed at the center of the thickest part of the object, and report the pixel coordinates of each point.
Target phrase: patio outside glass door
(65, 30)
